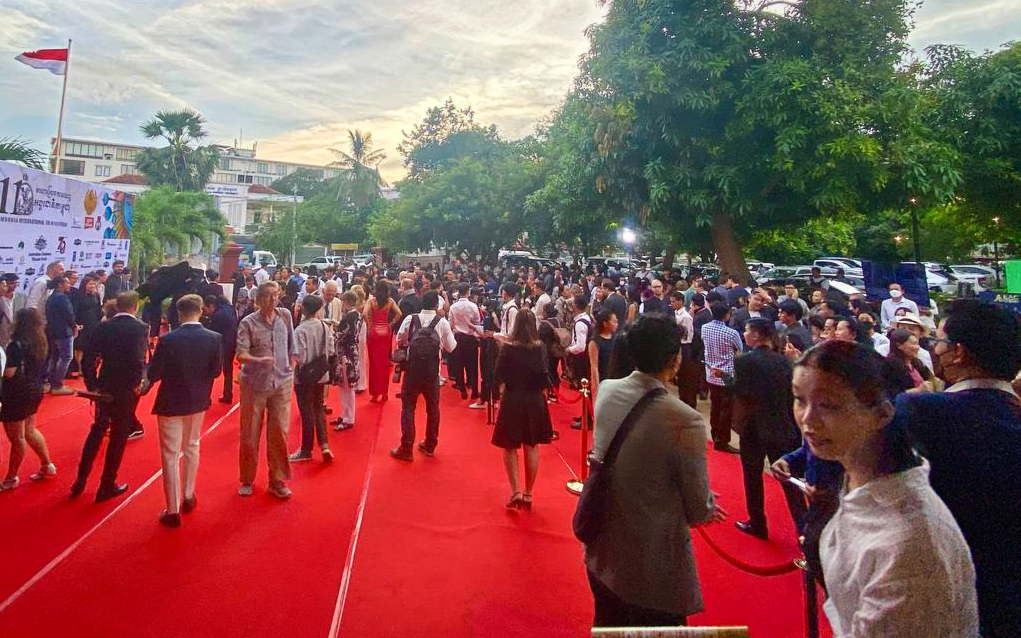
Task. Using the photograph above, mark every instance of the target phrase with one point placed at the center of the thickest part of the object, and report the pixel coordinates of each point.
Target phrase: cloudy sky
(296, 74)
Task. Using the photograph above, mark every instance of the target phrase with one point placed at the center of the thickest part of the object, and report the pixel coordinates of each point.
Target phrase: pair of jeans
(61, 352)
(720, 413)
(611, 611)
(117, 416)
(409, 400)
(465, 363)
(313, 415)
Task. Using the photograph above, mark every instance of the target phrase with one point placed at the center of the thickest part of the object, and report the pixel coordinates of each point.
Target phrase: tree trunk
(668, 256)
(728, 252)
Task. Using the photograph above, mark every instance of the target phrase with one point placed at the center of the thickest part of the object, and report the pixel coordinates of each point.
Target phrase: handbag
(314, 370)
(594, 503)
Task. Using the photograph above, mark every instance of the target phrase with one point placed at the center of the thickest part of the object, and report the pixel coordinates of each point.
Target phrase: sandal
(526, 502)
(515, 501)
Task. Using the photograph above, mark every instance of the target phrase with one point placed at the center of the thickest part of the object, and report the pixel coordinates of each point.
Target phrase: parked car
(321, 262)
(976, 274)
(840, 262)
(361, 261)
(938, 277)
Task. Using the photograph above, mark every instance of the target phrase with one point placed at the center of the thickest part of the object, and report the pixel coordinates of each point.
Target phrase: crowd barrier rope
(576, 484)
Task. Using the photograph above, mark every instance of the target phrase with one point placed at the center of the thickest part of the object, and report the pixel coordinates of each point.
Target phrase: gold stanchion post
(575, 485)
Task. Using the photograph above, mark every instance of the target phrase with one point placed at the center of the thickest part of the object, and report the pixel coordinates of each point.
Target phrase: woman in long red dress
(381, 315)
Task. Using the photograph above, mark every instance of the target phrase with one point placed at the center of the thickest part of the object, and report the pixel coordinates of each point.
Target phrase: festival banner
(46, 217)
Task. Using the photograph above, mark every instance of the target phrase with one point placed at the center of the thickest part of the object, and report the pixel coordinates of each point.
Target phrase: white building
(240, 182)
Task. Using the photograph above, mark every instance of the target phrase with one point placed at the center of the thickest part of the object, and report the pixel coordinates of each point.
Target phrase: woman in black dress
(21, 394)
(521, 370)
(600, 347)
(88, 313)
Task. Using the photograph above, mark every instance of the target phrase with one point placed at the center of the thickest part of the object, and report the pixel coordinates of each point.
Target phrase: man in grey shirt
(641, 566)
(265, 350)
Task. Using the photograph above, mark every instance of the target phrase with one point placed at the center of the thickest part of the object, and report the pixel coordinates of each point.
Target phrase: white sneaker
(478, 405)
(9, 484)
(44, 472)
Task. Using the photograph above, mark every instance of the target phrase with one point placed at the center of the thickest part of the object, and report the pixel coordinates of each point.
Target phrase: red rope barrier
(770, 570)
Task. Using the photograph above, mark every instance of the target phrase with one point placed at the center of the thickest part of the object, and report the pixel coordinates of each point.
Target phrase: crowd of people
(907, 506)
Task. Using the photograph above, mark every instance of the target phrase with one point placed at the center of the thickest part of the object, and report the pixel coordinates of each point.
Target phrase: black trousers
(464, 362)
(721, 413)
(313, 415)
(117, 416)
(689, 377)
(488, 368)
(410, 392)
(753, 456)
(228, 374)
(611, 611)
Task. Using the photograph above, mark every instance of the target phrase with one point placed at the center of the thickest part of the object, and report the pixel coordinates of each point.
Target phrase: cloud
(296, 74)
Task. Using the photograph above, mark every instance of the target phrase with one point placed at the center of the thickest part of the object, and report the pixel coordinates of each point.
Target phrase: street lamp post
(628, 237)
(914, 230)
(996, 249)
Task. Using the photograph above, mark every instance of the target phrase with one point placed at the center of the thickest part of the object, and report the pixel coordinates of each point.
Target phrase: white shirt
(540, 308)
(580, 334)
(888, 309)
(896, 563)
(38, 293)
(880, 341)
(464, 318)
(683, 319)
(261, 276)
(507, 317)
(447, 341)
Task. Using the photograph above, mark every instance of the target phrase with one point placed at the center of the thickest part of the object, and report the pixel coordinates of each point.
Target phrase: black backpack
(423, 349)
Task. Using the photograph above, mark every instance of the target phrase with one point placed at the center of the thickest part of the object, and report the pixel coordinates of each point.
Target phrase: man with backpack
(423, 334)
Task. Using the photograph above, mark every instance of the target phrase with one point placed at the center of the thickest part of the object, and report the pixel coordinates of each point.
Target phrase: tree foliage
(17, 150)
(359, 181)
(182, 164)
(444, 136)
(170, 223)
(303, 182)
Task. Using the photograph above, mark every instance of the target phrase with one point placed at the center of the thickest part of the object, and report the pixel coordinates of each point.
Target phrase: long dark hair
(29, 329)
(525, 334)
(382, 293)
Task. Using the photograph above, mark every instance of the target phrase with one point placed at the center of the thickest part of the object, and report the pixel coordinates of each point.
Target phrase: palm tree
(17, 150)
(360, 180)
(182, 164)
(167, 223)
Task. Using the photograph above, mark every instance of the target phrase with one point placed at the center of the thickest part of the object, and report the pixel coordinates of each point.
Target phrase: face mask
(895, 294)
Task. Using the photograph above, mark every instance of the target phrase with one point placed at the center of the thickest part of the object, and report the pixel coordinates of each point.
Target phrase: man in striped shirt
(721, 344)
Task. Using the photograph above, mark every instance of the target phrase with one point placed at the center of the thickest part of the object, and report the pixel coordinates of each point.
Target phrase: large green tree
(444, 136)
(304, 182)
(734, 120)
(183, 163)
(169, 223)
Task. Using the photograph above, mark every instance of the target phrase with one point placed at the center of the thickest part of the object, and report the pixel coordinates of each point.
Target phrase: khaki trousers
(175, 432)
(275, 406)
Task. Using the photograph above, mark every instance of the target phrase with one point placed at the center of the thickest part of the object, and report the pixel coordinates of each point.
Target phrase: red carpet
(437, 554)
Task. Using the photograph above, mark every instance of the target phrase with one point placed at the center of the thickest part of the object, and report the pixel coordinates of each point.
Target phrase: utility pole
(294, 225)
(914, 230)
(996, 249)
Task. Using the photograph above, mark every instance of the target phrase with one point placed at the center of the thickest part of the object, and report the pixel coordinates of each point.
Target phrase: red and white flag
(53, 60)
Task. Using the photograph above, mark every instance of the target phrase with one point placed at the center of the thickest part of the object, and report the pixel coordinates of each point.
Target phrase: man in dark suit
(764, 419)
(223, 320)
(971, 436)
(757, 307)
(209, 286)
(120, 344)
(185, 363)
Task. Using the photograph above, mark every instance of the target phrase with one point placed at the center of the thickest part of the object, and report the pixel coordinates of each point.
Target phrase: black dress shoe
(170, 520)
(464, 395)
(77, 487)
(554, 436)
(726, 447)
(226, 400)
(106, 493)
(424, 450)
(759, 531)
(402, 454)
(188, 505)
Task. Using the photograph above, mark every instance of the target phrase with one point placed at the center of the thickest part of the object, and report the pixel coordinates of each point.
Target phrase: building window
(102, 171)
(281, 169)
(244, 179)
(265, 181)
(127, 154)
(72, 167)
(81, 149)
(225, 163)
(127, 169)
(262, 167)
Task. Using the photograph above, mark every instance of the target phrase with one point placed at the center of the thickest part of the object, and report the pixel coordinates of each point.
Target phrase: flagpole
(60, 118)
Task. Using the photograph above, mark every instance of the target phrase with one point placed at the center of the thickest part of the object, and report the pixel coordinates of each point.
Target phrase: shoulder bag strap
(628, 423)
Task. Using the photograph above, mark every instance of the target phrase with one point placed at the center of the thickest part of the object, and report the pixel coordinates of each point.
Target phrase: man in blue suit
(971, 436)
(185, 363)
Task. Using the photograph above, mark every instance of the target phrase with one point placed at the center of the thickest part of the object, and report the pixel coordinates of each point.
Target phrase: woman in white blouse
(894, 560)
